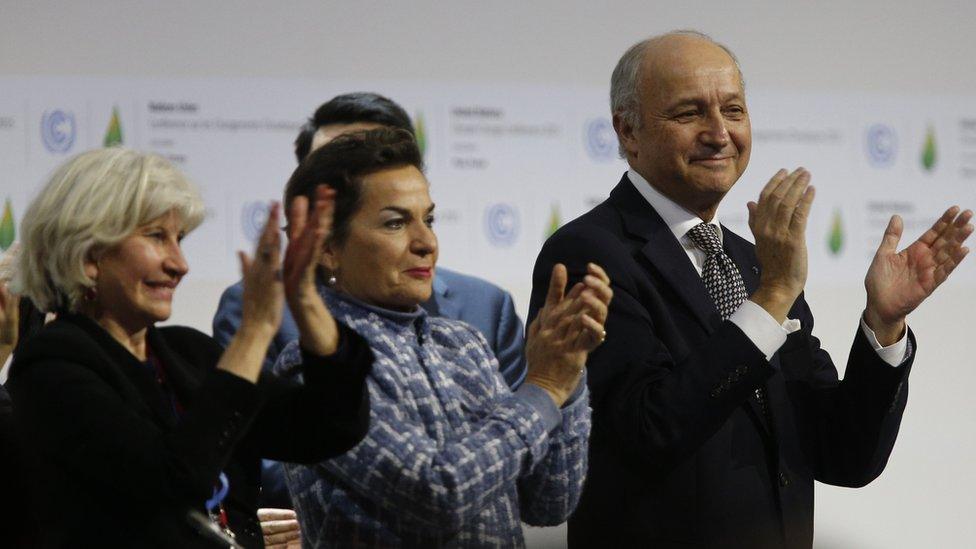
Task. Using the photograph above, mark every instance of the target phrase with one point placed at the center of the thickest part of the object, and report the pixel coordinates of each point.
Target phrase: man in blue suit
(462, 297)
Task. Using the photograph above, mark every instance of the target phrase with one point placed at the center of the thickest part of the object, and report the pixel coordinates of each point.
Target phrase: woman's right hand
(263, 295)
(566, 329)
(318, 332)
(261, 305)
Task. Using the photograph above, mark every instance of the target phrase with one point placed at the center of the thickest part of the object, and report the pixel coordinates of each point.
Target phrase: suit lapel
(742, 254)
(665, 253)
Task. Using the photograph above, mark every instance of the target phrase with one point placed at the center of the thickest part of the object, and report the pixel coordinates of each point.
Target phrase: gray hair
(626, 78)
(91, 203)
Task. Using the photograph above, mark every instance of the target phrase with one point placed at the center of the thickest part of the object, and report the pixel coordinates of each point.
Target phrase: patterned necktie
(722, 280)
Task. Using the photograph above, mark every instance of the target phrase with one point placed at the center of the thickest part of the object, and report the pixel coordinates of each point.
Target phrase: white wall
(925, 496)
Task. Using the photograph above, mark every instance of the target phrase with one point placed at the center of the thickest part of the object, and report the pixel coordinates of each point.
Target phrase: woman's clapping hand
(566, 329)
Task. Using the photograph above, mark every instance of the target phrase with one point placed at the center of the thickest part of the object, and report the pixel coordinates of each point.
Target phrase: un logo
(253, 217)
(600, 139)
(501, 225)
(882, 144)
(58, 131)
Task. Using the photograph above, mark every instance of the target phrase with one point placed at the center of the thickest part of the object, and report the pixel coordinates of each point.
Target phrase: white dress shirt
(758, 325)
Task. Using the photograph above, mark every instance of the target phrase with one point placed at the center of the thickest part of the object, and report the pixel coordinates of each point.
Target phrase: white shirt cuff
(893, 354)
(761, 328)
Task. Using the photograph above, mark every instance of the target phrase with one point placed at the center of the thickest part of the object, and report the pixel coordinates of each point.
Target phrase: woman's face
(136, 278)
(390, 252)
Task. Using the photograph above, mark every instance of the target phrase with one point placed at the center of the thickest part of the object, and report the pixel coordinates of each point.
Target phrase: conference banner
(508, 164)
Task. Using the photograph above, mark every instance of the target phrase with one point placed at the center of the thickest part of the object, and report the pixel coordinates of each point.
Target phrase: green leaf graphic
(555, 220)
(7, 227)
(835, 240)
(420, 131)
(928, 150)
(113, 134)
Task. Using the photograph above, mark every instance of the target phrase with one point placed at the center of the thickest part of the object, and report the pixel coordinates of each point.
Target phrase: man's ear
(625, 133)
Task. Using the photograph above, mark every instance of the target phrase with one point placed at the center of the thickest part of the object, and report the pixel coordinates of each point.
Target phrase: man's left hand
(898, 282)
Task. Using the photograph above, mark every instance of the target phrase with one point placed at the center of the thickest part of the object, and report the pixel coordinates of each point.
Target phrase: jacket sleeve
(847, 428)
(548, 494)
(326, 415)
(399, 467)
(76, 417)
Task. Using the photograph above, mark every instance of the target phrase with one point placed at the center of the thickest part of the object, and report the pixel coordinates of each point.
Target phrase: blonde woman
(136, 430)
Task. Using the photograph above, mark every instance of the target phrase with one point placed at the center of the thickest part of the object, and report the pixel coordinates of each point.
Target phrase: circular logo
(58, 130)
(502, 224)
(882, 144)
(600, 139)
(253, 217)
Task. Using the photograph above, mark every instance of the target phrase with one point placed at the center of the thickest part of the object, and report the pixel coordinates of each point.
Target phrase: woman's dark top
(115, 463)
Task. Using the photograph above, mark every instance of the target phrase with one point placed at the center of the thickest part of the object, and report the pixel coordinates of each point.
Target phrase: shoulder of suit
(233, 292)
(58, 342)
(462, 283)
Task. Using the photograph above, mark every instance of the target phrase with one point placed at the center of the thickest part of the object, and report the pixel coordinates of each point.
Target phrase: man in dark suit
(714, 407)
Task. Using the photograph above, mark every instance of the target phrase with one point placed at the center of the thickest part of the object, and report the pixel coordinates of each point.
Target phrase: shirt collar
(677, 218)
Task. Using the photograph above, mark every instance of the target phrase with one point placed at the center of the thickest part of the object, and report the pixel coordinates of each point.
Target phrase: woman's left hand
(317, 329)
(566, 329)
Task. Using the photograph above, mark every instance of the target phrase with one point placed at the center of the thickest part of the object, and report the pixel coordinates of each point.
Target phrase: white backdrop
(512, 99)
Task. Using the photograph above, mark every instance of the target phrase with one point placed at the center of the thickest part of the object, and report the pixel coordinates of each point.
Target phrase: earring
(90, 293)
(331, 281)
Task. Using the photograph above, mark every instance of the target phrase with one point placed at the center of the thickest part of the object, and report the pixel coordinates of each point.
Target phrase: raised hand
(779, 222)
(898, 282)
(9, 322)
(317, 329)
(261, 305)
(306, 237)
(263, 297)
(9, 305)
(566, 329)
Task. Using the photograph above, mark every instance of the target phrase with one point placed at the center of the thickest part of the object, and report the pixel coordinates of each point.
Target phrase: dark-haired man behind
(457, 296)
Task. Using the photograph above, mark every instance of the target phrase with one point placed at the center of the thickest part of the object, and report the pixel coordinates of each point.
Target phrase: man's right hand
(779, 222)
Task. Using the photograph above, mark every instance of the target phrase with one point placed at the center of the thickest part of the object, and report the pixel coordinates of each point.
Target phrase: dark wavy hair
(350, 108)
(343, 163)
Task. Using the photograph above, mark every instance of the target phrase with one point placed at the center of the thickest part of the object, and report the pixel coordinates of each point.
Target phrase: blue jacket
(457, 296)
(478, 302)
(453, 457)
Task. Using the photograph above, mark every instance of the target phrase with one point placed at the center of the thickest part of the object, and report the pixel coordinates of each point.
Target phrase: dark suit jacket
(680, 455)
(114, 466)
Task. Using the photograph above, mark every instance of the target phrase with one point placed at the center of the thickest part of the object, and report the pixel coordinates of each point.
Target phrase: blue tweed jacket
(452, 457)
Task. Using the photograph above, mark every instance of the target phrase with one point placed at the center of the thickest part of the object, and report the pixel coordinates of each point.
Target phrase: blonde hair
(91, 203)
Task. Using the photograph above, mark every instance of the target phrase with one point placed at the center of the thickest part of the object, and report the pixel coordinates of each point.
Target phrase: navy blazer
(680, 455)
